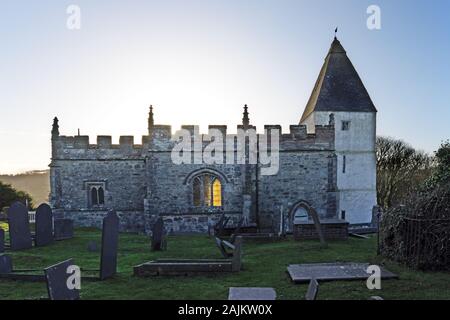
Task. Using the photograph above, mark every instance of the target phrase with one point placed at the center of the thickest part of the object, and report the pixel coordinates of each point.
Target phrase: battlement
(103, 142)
(162, 139)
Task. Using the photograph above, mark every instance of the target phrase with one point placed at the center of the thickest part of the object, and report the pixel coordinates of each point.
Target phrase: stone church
(327, 161)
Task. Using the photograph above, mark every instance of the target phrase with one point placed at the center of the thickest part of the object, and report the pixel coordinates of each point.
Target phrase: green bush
(9, 195)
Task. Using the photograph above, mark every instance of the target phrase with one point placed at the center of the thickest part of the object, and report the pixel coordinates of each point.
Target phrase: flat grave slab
(185, 267)
(242, 293)
(7, 271)
(303, 273)
(269, 236)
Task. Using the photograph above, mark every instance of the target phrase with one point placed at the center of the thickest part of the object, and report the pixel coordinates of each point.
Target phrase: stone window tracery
(96, 194)
(207, 191)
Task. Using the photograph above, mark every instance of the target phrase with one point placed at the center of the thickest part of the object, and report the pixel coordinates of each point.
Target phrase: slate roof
(338, 87)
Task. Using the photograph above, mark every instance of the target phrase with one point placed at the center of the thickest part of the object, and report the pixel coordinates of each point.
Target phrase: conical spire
(338, 87)
(245, 119)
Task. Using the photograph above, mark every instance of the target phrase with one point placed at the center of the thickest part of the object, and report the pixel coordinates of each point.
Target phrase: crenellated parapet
(163, 140)
(80, 148)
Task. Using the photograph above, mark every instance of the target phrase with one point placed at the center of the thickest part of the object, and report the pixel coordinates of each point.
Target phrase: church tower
(339, 97)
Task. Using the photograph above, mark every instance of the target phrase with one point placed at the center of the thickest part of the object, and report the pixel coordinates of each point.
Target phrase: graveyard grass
(264, 265)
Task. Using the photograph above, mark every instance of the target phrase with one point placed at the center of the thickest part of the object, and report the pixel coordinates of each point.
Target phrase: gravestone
(57, 278)
(313, 290)
(19, 227)
(92, 246)
(44, 225)
(282, 231)
(158, 235)
(6, 265)
(252, 294)
(2, 240)
(110, 242)
(377, 211)
(301, 273)
(63, 229)
(221, 248)
(220, 225)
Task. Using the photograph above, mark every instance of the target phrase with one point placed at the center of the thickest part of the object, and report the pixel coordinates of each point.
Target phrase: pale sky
(199, 62)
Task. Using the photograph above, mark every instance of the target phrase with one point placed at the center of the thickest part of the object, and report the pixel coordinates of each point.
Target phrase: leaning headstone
(313, 290)
(316, 220)
(44, 225)
(158, 235)
(252, 294)
(63, 229)
(5, 264)
(2, 240)
(19, 227)
(57, 277)
(110, 243)
(221, 248)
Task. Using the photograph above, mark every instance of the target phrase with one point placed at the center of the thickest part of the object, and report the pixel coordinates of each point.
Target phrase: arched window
(94, 196)
(217, 193)
(300, 215)
(207, 191)
(101, 196)
(197, 190)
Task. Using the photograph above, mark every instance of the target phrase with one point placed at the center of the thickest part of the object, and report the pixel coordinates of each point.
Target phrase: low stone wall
(333, 229)
(194, 223)
(130, 221)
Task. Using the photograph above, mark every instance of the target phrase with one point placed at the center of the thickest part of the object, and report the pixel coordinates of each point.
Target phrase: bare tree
(400, 168)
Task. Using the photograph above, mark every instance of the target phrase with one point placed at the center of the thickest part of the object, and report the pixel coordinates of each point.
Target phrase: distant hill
(36, 183)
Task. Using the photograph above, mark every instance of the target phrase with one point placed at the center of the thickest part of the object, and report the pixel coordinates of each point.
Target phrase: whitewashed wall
(357, 186)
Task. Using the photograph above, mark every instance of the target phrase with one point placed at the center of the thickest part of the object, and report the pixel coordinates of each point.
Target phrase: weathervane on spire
(335, 32)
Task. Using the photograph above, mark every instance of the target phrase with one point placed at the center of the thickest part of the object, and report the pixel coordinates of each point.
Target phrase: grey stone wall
(142, 183)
